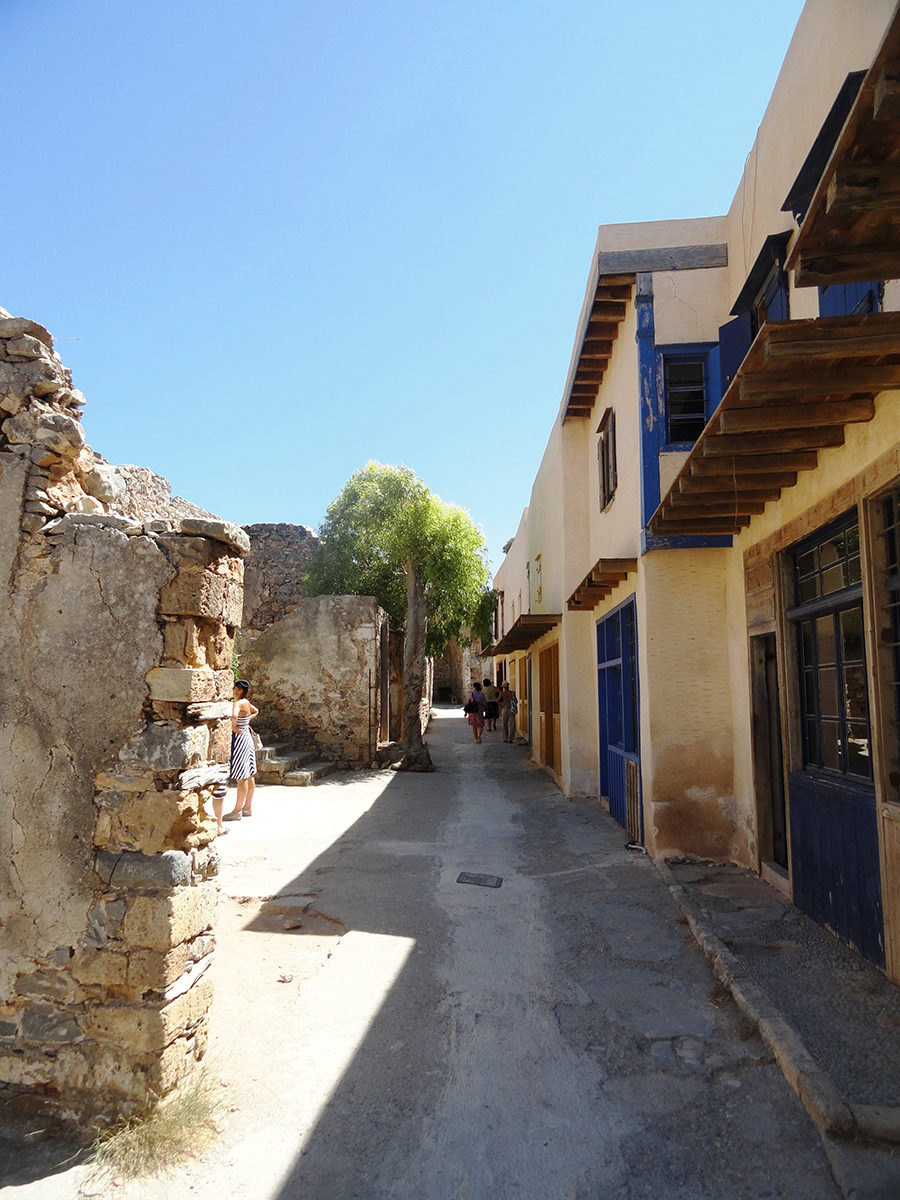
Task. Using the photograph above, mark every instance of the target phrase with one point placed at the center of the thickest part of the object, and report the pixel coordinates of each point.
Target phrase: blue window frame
(686, 394)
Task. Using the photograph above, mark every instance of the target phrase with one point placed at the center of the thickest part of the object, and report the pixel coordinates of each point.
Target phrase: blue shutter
(734, 342)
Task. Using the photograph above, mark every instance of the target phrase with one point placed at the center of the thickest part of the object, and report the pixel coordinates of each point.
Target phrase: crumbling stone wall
(137, 492)
(115, 645)
(273, 574)
(455, 671)
(317, 679)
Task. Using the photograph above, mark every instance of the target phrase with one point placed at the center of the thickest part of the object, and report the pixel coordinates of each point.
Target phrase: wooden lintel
(795, 416)
(739, 445)
(861, 190)
(829, 381)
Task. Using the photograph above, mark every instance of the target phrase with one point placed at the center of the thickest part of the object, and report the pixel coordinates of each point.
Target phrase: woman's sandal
(232, 816)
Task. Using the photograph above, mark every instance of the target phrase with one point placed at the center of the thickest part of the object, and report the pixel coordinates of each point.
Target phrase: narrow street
(385, 1031)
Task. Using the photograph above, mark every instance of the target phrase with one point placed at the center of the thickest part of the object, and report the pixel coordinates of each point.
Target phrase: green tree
(387, 535)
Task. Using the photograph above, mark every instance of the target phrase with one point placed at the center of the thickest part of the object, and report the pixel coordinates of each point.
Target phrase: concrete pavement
(381, 1030)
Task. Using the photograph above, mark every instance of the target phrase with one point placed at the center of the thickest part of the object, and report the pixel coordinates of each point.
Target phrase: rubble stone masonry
(116, 638)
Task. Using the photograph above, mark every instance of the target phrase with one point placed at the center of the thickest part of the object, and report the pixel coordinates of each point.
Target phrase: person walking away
(509, 707)
(243, 752)
(492, 708)
(476, 718)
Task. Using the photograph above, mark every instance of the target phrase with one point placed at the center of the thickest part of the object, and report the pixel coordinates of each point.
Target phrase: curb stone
(862, 1171)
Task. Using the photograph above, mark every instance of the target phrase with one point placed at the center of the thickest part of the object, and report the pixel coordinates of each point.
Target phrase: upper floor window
(606, 457)
(686, 383)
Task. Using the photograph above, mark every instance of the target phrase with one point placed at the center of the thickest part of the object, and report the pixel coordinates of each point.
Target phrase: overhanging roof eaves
(525, 632)
(799, 385)
(603, 578)
(851, 230)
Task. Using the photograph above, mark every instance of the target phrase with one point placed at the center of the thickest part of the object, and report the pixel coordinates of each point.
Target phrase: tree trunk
(416, 756)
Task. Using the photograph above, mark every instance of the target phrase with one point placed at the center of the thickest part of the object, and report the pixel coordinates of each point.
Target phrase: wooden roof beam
(778, 464)
(872, 261)
(671, 526)
(796, 416)
(766, 487)
(812, 381)
(740, 445)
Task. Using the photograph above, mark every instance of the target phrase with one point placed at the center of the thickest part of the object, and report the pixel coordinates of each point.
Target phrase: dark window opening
(606, 457)
(685, 397)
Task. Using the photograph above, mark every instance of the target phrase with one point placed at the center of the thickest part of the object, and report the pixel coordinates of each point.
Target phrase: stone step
(272, 750)
(274, 769)
(307, 776)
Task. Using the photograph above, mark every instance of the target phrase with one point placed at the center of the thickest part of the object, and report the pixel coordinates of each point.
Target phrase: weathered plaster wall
(686, 716)
(115, 640)
(316, 674)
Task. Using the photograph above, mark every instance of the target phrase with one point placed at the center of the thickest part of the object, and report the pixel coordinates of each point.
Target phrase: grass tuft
(179, 1128)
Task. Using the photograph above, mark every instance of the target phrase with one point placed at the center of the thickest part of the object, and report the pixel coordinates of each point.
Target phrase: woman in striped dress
(243, 754)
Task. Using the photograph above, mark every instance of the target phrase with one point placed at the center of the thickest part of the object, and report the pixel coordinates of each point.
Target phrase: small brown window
(606, 457)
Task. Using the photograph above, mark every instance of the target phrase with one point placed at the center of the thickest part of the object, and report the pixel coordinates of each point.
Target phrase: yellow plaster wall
(686, 719)
(689, 306)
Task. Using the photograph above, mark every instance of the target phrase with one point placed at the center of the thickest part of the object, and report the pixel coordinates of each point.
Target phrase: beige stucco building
(700, 610)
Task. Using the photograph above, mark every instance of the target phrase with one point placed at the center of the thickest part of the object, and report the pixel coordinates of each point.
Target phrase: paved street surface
(381, 1030)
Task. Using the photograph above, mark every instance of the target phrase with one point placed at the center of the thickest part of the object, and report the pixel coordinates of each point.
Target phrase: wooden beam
(864, 187)
(848, 264)
(886, 105)
(613, 291)
(765, 488)
(856, 345)
(789, 461)
(795, 416)
(599, 350)
(741, 445)
(671, 526)
(681, 507)
(810, 381)
(703, 477)
(605, 310)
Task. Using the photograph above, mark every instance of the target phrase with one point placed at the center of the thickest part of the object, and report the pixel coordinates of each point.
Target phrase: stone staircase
(281, 763)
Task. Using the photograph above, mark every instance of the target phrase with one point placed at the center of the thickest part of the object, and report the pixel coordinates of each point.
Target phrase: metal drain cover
(493, 881)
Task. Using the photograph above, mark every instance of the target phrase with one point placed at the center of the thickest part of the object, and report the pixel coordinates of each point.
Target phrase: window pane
(809, 588)
(807, 563)
(854, 570)
(825, 639)
(806, 644)
(832, 551)
(833, 578)
(831, 757)
(809, 690)
(828, 694)
(855, 700)
(811, 748)
(684, 372)
(851, 635)
(859, 761)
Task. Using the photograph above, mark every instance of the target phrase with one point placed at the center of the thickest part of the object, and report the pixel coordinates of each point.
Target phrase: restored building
(700, 609)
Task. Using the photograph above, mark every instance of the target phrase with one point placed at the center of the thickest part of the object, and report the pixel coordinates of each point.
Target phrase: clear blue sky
(276, 240)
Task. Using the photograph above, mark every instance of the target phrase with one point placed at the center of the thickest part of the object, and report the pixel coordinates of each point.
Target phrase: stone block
(155, 970)
(16, 327)
(178, 1060)
(165, 748)
(145, 1028)
(220, 740)
(203, 777)
(53, 431)
(46, 985)
(219, 531)
(135, 778)
(144, 872)
(101, 967)
(43, 1023)
(161, 922)
(185, 685)
(194, 593)
(89, 506)
(213, 710)
(147, 821)
(104, 920)
(233, 609)
(25, 346)
(46, 376)
(13, 389)
(103, 483)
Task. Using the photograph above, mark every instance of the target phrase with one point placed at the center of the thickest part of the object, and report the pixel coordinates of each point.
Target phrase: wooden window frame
(606, 458)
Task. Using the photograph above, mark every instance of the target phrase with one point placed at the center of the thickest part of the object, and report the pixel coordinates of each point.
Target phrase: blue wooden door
(833, 822)
(617, 690)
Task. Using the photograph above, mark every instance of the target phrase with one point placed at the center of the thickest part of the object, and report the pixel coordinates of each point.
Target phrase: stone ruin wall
(455, 671)
(316, 677)
(116, 640)
(273, 574)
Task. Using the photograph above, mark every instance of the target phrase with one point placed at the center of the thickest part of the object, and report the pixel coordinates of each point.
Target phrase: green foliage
(386, 522)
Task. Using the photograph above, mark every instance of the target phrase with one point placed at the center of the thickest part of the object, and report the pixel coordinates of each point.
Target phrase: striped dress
(243, 753)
